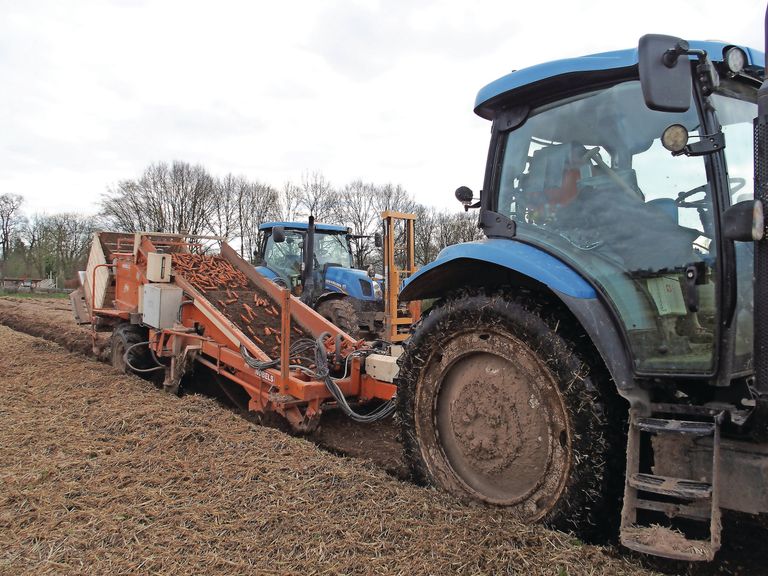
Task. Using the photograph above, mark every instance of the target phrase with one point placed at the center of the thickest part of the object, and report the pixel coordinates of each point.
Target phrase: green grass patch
(12, 294)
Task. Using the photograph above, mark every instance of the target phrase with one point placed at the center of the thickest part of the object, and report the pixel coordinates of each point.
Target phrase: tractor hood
(352, 282)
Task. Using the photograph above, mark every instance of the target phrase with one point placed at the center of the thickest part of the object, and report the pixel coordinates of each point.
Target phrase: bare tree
(225, 219)
(289, 202)
(256, 203)
(425, 244)
(393, 197)
(355, 208)
(453, 228)
(11, 220)
(70, 237)
(33, 234)
(317, 197)
(175, 198)
(58, 244)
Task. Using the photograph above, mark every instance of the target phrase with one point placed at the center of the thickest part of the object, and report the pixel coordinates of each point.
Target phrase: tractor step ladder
(691, 499)
(399, 264)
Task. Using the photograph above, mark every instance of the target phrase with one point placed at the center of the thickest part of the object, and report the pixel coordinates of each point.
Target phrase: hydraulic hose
(313, 351)
(142, 370)
(321, 359)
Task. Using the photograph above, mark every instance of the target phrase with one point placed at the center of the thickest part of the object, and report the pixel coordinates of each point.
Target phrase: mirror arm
(708, 144)
(671, 56)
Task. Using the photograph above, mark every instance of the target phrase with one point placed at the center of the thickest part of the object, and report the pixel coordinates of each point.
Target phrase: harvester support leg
(180, 365)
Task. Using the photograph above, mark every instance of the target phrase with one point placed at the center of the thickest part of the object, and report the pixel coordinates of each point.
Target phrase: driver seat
(554, 171)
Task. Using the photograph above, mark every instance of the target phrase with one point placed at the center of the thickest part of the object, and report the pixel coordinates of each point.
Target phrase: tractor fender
(529, 261)
(331, 295)
(494, 263)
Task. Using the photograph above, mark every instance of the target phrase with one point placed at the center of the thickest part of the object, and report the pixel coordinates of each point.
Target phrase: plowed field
(101, 472)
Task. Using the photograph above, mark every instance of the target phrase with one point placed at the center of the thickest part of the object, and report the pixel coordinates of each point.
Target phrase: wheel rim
(501, 424)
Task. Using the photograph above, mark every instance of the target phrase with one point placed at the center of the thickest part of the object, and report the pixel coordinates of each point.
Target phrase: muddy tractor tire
(340, 312)
(497, 406)
(124, 336)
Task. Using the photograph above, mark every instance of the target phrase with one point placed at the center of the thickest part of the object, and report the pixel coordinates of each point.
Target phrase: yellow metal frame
(397, 320)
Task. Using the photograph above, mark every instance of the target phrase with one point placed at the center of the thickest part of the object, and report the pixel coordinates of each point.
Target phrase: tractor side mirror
(377, 240)
(665, 72)
(278, 234)
(744, 221)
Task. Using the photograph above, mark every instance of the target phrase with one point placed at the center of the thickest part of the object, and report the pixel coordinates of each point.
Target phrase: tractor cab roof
(558, 76)
(326, 228)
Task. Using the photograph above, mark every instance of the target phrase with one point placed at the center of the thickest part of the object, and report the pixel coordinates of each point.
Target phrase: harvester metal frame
(206, 335)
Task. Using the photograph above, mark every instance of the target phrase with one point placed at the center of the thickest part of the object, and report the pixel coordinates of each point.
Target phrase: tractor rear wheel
(340, 312)
(124, 336)
(496, 406)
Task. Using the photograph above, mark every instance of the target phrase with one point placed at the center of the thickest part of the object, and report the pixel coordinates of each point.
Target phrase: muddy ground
(102, 473)
(377, 445)
(52, 319)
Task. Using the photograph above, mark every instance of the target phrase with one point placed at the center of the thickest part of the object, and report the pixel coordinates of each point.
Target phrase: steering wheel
(735, 184)
(682, 198)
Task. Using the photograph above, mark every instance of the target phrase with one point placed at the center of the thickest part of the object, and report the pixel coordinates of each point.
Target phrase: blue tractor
(315, 262)
(603, 330)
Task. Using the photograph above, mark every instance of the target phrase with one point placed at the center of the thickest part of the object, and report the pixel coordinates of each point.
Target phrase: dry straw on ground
(103, 473)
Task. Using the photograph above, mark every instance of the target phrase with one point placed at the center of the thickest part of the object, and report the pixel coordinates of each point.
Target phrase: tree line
(183, 198)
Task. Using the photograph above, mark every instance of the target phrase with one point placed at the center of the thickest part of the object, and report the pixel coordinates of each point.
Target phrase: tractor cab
(282, 251)
(583, 170)
(315, 262)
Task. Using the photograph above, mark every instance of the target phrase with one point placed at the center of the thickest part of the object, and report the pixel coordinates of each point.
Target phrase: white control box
(161, 303)
(381, 367)
(158, 267)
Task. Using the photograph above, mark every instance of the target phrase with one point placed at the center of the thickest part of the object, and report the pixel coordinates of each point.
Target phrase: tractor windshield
(588, 180)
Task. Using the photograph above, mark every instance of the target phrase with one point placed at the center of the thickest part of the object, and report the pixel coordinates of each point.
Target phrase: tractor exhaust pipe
(308, 279)
(761, 256)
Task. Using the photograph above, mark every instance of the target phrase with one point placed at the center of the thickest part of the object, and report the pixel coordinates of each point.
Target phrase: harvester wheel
(340, 312)
(497, 406)
(124, 336)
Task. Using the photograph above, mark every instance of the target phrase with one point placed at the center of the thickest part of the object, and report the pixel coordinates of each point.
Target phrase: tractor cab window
(736, 106)
(588, 180)
(332, 249)
(285, 258)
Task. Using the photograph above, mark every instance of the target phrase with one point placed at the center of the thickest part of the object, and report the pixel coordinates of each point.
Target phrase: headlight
(377, 290)
(735, 59)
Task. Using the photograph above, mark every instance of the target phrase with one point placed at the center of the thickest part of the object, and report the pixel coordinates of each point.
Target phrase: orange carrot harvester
(171, 306)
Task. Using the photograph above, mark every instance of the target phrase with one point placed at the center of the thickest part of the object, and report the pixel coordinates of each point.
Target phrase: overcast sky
(92, 92)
